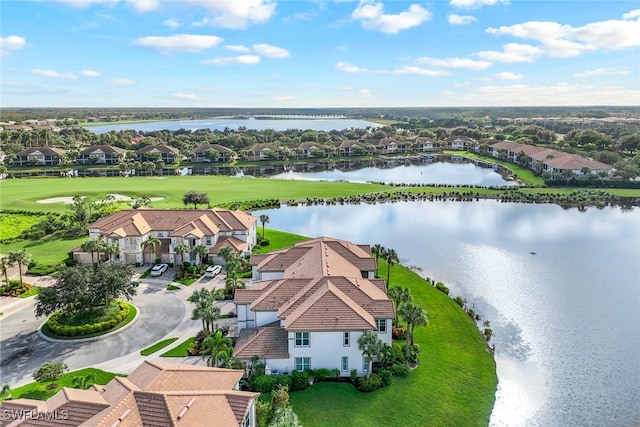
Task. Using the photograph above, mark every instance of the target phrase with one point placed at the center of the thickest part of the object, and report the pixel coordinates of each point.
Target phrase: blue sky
(364, 53)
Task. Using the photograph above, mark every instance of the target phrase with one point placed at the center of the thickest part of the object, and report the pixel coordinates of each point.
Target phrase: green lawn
(31, 292)
(454, 385)
(12, 225)
(526, 175)
(278, 240)
(46, 251)
(37, 390)
(180, 350)
(157, 346)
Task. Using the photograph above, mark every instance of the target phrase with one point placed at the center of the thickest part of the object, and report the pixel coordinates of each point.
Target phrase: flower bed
(63, 329)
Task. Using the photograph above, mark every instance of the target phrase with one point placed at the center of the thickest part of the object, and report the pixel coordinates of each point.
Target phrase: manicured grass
(31, 292)
(172, 288)
(157, 346)
(187, 282)
(37, 390)
(180, 350)
(454, 384)
(145, 274)
(525, 175)
(132, 314)
(278, 240)
(12, 225)
(46, 251)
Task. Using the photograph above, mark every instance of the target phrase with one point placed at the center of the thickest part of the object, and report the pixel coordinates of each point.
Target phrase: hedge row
(73, 331)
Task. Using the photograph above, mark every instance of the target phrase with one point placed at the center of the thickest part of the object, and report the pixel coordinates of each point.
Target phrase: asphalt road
(23, 351)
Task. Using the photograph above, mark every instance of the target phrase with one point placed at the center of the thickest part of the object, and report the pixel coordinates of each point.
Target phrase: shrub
(284, 381)
(265, 383)
(398, 333)
(369, 384)
(324, 374)
(442, 288)
(265, 242)
(400, 370)
(385, 376)
(460, 301)
(353, 375)
(299, 380)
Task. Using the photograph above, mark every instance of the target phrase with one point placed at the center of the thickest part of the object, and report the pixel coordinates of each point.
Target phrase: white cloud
(512, 52)
(270, 51)
(171, 23)
(508, 75)
(144, 5)
(179, 43)
(372, 17)
(121, 82)
(603, 72)
(187, 96)
(242, 59)
(81, 4)
(461, 20)
(469, 64)
(11, 44)
(284, 98)
(475, 4)
(348, 68)
(237, 48)
(632, 15)
(54, 74)
(412, 69)
(89, 73)
(235, 14)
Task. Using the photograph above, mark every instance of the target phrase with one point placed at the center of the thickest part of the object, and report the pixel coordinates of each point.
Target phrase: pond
(561, 288)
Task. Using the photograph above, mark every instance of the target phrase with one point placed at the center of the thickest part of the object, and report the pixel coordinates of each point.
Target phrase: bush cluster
(14, 288)
(268, 383)
(369, 384)
(74, 331)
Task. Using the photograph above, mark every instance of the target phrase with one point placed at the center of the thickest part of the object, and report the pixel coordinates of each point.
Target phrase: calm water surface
(565, 319)
(254, 124)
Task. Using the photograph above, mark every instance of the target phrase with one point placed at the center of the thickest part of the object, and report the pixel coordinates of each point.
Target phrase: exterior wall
(246, 317)
(269, 275)
(265, 317)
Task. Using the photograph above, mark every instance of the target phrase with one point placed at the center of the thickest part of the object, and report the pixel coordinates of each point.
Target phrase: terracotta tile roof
(204, 147)
(153, 409)
(174, 376)
(278, 294)
(268, 342)
(47, 151)
(229, 241)
(554, 158)
(250, 294)
(158, 147)
(104, 148)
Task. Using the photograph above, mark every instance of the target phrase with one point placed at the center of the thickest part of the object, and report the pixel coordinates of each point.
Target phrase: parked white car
(158, 269)
(212, 271)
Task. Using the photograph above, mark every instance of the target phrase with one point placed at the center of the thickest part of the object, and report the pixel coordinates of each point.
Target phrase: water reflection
(565, 319)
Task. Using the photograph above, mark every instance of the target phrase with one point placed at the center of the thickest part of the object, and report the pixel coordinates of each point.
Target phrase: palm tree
(399, 296)
(391, 257)
(225, 253)
(84, 382)
(217, 347)
(151, 242)
(202, 251)
(110, 249)
(21, 258)
(181, 249)
(90, 246)
(5, 264)
(377, 250)
(206, 310)
(414, 315)
(371, 345)
(264, 219)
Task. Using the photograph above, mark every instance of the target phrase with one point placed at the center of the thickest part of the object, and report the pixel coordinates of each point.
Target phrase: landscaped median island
(158, 346)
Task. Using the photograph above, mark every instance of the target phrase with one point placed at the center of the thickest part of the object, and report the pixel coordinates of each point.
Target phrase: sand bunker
(117, 197)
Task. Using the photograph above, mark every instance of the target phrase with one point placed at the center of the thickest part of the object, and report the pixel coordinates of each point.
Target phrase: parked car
(212, 271)
(158, 269)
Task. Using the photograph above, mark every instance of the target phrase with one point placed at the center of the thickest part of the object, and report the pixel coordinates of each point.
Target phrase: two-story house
(308, 305)
(200, 154)
(39, 156)
(214, 228)
(101, 154)
(167, 154)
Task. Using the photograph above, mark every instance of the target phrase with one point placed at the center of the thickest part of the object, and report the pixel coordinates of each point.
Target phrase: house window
(365, 364)
(303, 363)
(344, 364)
(345, 339)
(208, 241)
(302, 339)
(160, 234)
(381, 325)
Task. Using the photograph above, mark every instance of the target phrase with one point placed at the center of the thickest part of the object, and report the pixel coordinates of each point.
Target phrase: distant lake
(561, 288)
(327, 125)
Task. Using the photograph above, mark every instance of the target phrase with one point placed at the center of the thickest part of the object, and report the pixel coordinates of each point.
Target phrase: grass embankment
(12, 226)
(454, 385)
(157, 346)
(37, 390)
(525, 175)
(279, 240)
(180, 350)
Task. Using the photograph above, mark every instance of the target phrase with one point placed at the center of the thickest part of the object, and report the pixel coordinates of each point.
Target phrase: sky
(315, 53)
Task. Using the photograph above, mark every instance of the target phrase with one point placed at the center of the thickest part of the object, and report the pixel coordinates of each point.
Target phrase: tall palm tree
(21, 258)
(391, 257)
(5, 264)
(90, 246)
(151, 242)
(216, 347)
(414, 315)
(181, 249)
(225, 253)
(399, 296)
(264, 219)
(371, 345)
(202, 251)
(110, 249)
(377, 250)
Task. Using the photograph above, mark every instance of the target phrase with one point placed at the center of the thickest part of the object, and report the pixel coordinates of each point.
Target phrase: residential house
(389, 146)
(101, 154)
(225, 155)
(40, 156)
(154, 394)
(264, 152)
(168, 155)
(350, 147)
(460, 142)
(309, 149)
(308, 305)
(425, 144)
(214, 228)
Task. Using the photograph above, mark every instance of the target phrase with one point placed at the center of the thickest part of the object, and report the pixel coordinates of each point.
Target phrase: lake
(561, 288)
(327, 125)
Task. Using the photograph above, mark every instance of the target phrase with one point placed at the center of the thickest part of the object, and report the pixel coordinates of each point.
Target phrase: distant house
(389, 146)
(40, 156)
(309, 304)
(154, 394)
(168, 154)
(309, 149)
(265, 152)
(350, 147)
(101, 154)
(225, 155)
(425, 144)
(460, 142)
(214, 228)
